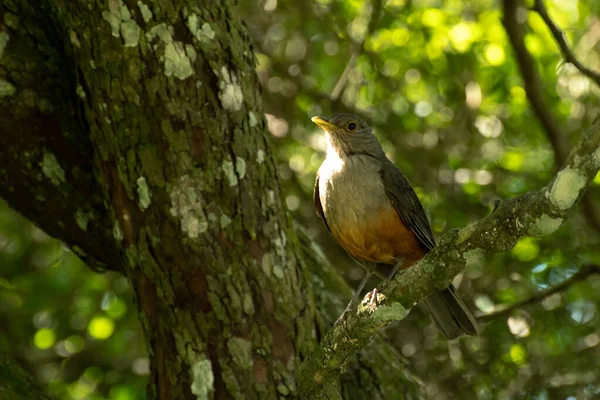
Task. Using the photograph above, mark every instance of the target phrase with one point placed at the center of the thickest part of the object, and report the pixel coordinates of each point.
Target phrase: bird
(372, 211)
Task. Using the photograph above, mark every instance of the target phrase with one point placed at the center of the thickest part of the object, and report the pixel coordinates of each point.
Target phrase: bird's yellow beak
(324, 124)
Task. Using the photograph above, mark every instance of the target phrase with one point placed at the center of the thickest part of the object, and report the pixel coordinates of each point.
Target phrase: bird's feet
(397, 266)
(372, 300)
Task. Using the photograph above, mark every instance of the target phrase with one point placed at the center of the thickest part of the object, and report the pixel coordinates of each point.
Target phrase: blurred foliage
(438, 82)
(77, 329)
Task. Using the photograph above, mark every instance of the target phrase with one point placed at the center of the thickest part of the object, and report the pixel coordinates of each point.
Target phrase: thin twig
(377, 7)
(581, 275)
(343, 80)
(561, 40)
(532, 81)
(533, 89)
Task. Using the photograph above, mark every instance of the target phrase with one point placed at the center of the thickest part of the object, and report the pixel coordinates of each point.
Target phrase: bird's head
(349, 133)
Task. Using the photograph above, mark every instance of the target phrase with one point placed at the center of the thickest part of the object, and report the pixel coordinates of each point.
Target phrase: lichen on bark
(194, 252)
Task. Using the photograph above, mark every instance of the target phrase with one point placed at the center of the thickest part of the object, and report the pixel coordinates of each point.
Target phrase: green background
(439, 83)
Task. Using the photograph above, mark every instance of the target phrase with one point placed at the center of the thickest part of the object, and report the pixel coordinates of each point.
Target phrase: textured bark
(45, 169)
(197, 216)
(135, 135)
(197, 219)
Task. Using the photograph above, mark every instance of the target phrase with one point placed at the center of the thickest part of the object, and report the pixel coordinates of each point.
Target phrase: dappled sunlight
(441, 85)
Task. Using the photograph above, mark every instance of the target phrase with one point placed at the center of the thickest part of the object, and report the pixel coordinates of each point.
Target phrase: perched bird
(370, 208)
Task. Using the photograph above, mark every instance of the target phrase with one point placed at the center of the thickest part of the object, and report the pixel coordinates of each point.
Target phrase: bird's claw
(372, 300)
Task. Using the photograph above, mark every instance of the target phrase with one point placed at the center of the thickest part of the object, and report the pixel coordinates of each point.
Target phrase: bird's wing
(407, 204)
(317, 202)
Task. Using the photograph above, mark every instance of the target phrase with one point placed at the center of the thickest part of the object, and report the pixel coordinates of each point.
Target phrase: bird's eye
(351, 126)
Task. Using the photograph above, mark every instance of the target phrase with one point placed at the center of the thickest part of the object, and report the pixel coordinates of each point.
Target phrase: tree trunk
(133, 131)
(197, 213)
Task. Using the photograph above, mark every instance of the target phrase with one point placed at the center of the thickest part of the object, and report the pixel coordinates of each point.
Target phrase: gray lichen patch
(114, 22)
(121, 24)
(465, 233)
(279, 244)
(52, 169)
(240, 167)
(204, 33)
(191, 53)
(230, 173)
(248, 303)
(74, 39)
(596, 157)
(387, 313)
(224, 221)
(202, 379)
(283, 390)
(117, 231)
(83, 218)
(260, 156)
(240, 350)
(162, 32)
(130, 32)
(230, 91)
(474, 258)
(252, 119)
(177, 62)
(544, 226)
(186, 203)
(270, 198)
(143, 193)
(145, 11)
(80, 92)
(7, 89)
(566, 188)
(267, 263)
(278, 271)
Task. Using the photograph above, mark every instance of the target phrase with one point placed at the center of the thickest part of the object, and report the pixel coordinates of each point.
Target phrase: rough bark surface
(133, 131)
(167, 92)
(202, 230)
(46, 169)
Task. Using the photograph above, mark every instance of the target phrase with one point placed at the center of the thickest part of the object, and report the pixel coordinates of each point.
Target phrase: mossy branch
(561, 41)
(534, 89)
(538, 213)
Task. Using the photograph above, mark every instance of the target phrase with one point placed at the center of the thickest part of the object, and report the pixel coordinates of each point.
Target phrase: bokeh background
(439, 83)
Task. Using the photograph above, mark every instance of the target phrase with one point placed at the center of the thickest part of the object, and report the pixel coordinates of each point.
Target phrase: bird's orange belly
(381, 239)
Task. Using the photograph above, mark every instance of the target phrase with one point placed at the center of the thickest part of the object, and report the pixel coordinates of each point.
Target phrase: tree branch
(559, 36)
(581, 275)
(365, 375)
(377, 8)
(538, 213)
(46, 170)
(532, 80)
(533, 89)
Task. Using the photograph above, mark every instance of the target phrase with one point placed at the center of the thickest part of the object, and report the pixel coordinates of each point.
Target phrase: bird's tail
(450, 314)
